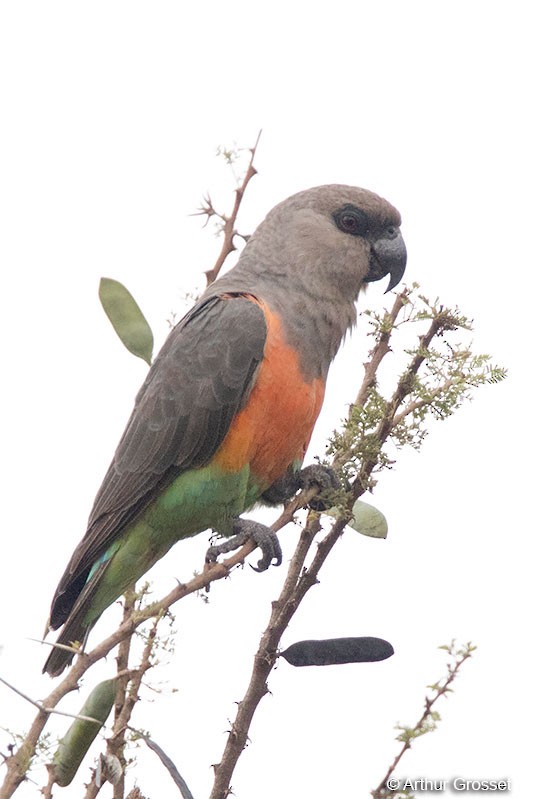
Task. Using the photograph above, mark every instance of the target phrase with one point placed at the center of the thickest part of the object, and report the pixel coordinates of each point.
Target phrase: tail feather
(77, 626)
(74, 632)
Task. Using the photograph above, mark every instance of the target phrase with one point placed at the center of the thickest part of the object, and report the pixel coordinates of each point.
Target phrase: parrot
(224, 418)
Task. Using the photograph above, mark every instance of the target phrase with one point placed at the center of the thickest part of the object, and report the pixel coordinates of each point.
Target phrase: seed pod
(330, 651)
(74, 745)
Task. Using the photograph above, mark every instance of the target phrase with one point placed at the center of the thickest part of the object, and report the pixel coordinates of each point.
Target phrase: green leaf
(127, 318)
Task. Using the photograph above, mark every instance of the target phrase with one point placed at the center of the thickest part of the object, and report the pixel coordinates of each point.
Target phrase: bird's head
(348, 235)
(309, 259)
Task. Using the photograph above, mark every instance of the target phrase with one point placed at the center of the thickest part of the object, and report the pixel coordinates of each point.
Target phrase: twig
(74, 649)
(123, 674)
(17, 763)
(123, 656)
(47, 789)
(377, 354)
(299, 579)
(228, 222)
(383, 791)
(423, 402)
(117, 741)
(168, 764)
(43, 708)
(265, 658)
(23, 695)
(381, 348)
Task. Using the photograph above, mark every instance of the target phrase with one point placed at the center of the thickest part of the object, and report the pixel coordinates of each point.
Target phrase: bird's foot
(323, 478)
(244, 530)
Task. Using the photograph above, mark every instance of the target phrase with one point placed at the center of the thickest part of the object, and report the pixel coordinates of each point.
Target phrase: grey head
(312, 255)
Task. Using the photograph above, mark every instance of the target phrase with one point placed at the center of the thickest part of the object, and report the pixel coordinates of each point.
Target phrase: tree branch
(300, 579)
(416, 405)
(228, 222)
(18, 762)
(168, 764)
(381, 348)
(426, 721)
(123, 656)
(265, 658)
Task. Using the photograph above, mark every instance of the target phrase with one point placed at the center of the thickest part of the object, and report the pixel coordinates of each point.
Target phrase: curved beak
(388, 256)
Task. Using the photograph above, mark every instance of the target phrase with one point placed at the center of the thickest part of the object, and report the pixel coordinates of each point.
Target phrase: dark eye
(351, 220)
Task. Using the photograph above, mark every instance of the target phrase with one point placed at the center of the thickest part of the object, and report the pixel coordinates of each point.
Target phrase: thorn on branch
(429, 718)
(228, 222)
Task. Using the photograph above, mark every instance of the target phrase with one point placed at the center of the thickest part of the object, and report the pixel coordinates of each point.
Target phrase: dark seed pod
(331, 651)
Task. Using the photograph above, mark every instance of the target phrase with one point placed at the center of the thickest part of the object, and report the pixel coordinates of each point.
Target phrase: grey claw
(265, 538)
(325, 480)
(244, 529)
(215, 550)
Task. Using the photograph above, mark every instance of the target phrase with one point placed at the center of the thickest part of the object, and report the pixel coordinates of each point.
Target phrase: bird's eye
(351, 220)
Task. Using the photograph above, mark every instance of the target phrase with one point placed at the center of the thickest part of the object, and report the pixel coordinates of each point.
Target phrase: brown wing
(199, 381)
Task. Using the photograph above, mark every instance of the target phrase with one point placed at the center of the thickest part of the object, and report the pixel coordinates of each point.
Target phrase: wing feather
(199, 381)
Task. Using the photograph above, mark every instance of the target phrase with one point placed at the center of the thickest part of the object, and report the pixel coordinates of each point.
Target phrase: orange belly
(274, 428)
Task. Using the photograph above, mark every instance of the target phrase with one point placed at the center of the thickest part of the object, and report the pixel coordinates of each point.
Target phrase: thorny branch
(377, 354)
(17, 763)
(427, 721)
(300, 578)
(228, 222)
(116, 744)
(381, 348)
(127, 697)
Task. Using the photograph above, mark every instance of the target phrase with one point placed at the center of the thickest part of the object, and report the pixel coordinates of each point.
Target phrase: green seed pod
(127, 318)
(74, 745)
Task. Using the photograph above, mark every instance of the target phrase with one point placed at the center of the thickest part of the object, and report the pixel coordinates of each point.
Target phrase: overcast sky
(111, 116)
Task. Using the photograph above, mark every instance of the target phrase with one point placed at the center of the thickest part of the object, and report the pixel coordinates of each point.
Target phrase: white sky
(111, 114)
